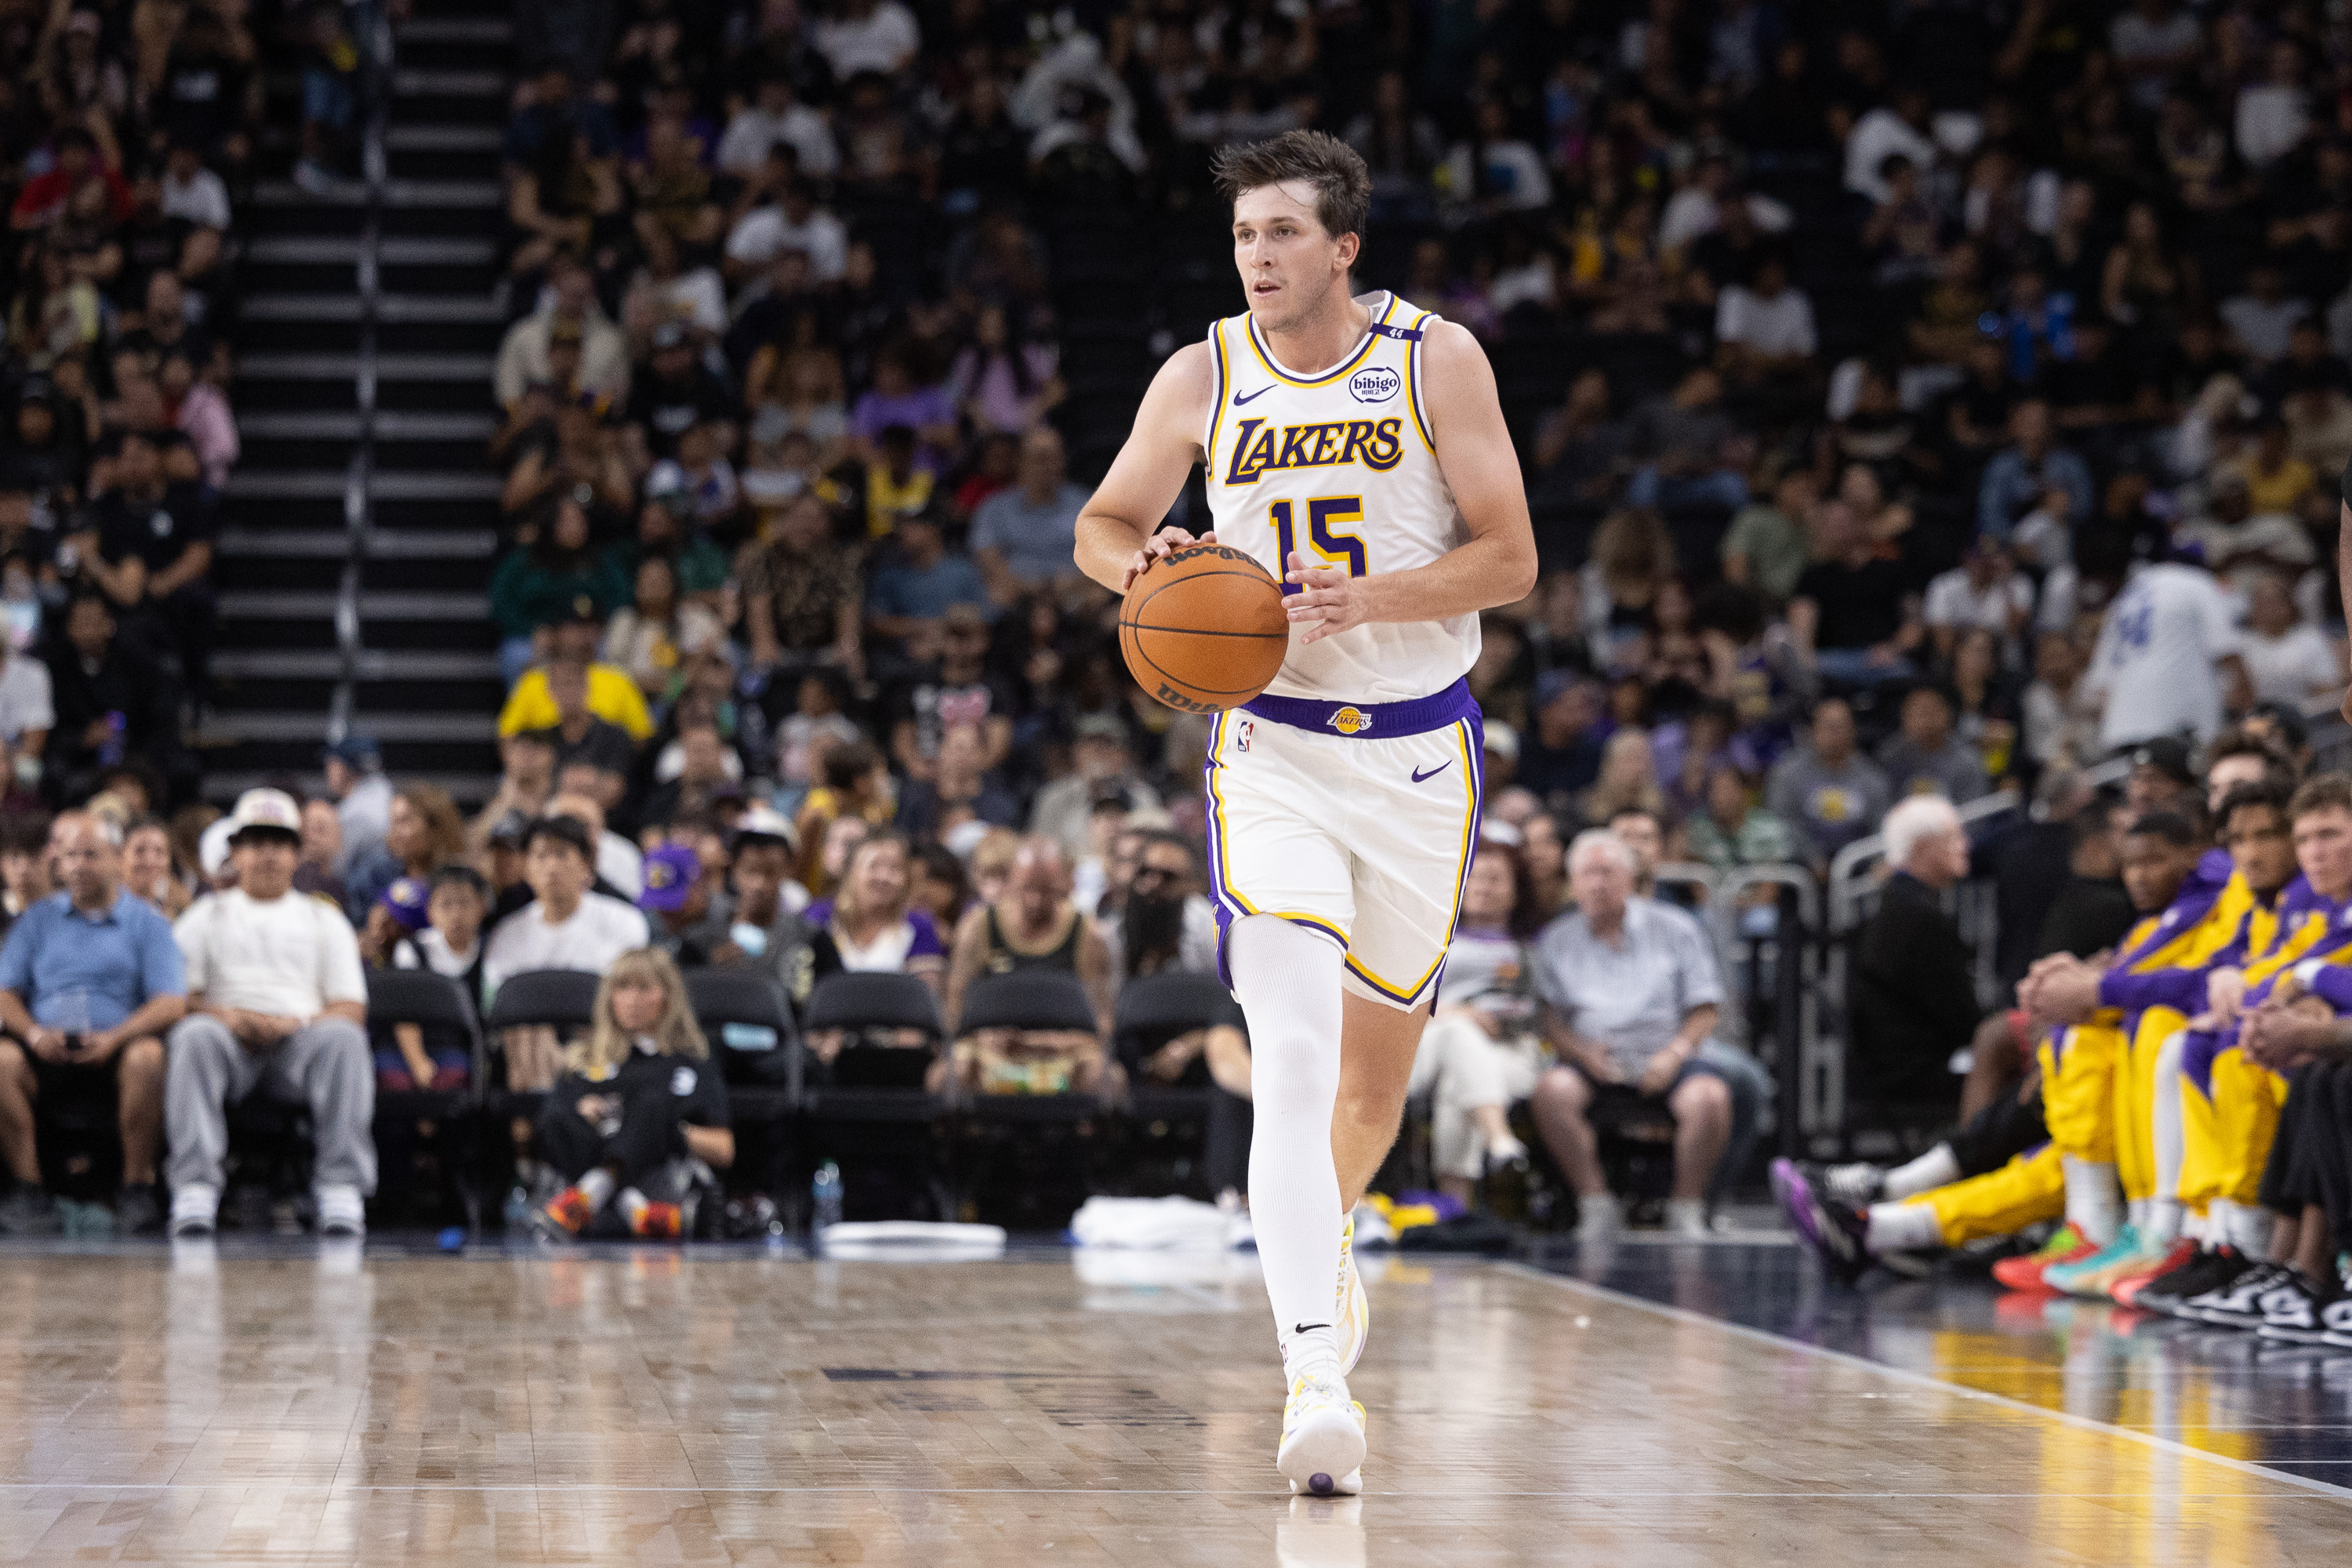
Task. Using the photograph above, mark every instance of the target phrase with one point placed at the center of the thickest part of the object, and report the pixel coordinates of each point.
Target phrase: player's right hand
(1157, 547)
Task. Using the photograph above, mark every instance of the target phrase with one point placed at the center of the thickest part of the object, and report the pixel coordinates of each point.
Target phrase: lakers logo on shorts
(1349, 721)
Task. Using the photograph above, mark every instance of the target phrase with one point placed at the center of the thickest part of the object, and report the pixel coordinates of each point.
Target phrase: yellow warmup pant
(2135, 1089)
(2079, 1093)
(2227, 1122)
(2028, 1190)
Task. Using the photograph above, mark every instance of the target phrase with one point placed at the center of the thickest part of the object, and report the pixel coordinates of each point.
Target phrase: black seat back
(558, 998)
(871, 1009)
(1028, 999)
(748, 1021)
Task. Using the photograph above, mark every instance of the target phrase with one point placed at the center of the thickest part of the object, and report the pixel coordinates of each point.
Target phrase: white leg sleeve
(1287, 981)
(2171, 1142)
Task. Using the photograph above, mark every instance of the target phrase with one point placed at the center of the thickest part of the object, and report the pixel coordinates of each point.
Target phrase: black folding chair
(561, 999)
(440, 1005)
(868, 1109)
(1168, 1122)
(1028, 1160)
(872, 1010)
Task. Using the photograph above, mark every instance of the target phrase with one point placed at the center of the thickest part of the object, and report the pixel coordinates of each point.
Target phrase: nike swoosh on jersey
(1240, 399)
(1418, 777)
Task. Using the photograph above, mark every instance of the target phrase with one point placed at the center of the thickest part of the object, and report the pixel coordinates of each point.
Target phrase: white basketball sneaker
(1322, 1451)
(1354, 1322)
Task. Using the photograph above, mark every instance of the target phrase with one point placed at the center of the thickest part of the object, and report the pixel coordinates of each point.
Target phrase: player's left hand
(1329, 601)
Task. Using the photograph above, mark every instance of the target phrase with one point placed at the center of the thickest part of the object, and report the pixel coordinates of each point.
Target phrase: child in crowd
(638, 1107)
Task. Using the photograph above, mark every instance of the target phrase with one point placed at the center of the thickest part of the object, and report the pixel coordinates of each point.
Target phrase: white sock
(2165, 1222)
(1286, 979)
(1314, 1352)
(596, 1187)
(1903, 1228)
(2094, 1200)
(633, 1205)
(1936, 1168)
(2137, 1212)
(1686, 1215)
(2244, 1227)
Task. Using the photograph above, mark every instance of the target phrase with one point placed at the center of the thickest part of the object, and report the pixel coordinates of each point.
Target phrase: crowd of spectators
(1912, 402)
(130, 135)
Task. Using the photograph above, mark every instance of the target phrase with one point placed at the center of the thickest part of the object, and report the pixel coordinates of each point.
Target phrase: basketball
(1205, 628)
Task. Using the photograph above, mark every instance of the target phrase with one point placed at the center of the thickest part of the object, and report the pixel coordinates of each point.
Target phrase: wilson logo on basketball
(1349, 721)
(1374, 383)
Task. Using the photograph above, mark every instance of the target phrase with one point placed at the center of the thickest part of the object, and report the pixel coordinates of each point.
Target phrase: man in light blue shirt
(2019, 476)
(1026, 536)
(89, 980)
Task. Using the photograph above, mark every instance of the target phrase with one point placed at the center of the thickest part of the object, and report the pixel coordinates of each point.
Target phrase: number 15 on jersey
(1335, 548)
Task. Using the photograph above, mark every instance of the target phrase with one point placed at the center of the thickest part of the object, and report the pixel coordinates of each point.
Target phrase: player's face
(2260, 847)
(2153, 871)
(2227, 774)
(1290, 266)
(2323, 848)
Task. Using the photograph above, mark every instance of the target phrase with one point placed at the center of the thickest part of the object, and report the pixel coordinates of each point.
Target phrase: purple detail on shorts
(1387, 719)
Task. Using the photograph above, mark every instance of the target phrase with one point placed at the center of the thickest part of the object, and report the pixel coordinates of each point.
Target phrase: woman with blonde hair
(639, 1104)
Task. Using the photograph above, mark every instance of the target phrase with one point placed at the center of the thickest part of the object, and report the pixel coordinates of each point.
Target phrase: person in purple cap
(677, 906)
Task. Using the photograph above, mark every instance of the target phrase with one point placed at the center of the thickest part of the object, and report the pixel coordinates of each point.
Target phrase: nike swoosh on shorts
(1418, 777)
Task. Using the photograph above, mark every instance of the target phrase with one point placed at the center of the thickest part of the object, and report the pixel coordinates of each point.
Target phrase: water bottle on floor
(824, 1198)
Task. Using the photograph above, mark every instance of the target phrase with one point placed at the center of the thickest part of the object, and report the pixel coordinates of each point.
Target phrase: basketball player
(1356, 448)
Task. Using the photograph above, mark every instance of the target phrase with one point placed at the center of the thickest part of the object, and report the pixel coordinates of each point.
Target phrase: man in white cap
(275, 993)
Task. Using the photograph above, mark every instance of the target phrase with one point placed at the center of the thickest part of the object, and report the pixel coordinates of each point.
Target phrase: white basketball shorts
(1357, 821)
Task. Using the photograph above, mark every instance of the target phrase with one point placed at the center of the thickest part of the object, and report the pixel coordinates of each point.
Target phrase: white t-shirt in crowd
(2156, 656)
(881, 42)
(202, 201)
(24, 697)
(599, 931)
(621, 863)
(433, 950)
(1954, 601)
(765, 233)
(2294, 668)
(1779, 327)
(753, 131)
(289, 955)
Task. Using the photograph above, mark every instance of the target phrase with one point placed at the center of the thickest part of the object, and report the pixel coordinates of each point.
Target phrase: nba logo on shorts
(1374, 383)
(1349, 721)
(1241, 736)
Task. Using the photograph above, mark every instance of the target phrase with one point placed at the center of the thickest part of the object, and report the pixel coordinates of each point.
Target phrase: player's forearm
(1482, 574)
(1106, 545)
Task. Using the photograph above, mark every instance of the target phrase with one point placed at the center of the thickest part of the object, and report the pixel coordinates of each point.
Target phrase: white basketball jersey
(1337, 465)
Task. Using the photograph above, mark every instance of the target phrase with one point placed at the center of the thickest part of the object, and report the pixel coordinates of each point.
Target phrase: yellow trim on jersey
(1460, 877)
(1329, 376)
(1413, 382)
(1217, 408)
(1224, 885)
(2290, 947)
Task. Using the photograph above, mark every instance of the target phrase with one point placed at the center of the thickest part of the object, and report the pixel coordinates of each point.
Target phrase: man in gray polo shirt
(1629, 994)
(89, 980)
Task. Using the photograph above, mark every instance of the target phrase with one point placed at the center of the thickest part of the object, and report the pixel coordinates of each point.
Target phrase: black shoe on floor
(29, 1210)
(137, 1210)
(2166, 1292)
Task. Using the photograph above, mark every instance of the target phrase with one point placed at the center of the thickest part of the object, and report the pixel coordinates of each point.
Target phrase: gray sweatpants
(326, 1065)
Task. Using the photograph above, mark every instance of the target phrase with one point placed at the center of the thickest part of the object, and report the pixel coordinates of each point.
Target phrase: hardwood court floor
(654, 1408)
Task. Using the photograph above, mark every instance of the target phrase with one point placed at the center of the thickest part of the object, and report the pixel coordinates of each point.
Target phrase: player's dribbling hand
(1158, 548)
(1329, 601)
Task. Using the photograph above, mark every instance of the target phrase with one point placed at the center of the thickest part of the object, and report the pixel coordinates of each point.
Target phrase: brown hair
(444, 828)
(2321, 792)
(1343, 186)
